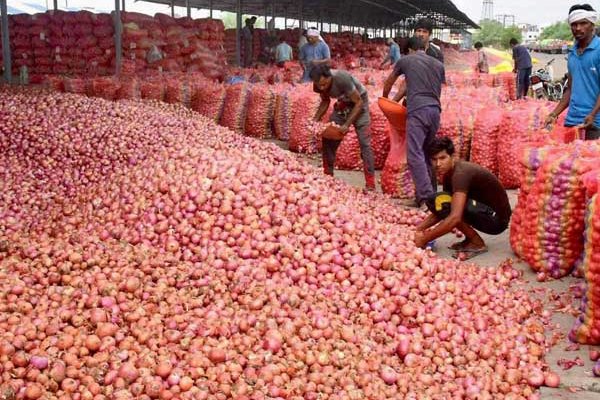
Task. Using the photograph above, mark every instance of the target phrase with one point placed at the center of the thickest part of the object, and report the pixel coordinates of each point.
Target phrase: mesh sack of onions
(484, 144)
(521, 124)
(105, 87)
(396, 179)
(457, 123)
(178, 91)
(531, 155)
(553, 230)
(54, 82)
(305, 133)
(130, 89)
(348, 154)
(235, 109)
(380, 135)
(586, 329)
(282, 118)
(507, 81)
(261, 106)
(152, 90)
(75, 85)
(209, 99)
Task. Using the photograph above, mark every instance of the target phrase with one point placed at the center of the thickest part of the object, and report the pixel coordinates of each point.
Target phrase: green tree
(558, 30)
(493, 34)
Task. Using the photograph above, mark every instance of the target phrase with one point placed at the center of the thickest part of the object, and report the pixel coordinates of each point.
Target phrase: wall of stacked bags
(477, 113)
(82, 44)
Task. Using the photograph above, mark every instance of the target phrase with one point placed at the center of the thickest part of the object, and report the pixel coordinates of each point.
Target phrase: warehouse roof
(364, 13)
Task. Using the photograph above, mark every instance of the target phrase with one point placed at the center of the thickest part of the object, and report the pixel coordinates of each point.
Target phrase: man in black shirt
(473, 198)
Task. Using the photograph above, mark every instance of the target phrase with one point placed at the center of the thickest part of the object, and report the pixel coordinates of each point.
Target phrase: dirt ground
(577, 383)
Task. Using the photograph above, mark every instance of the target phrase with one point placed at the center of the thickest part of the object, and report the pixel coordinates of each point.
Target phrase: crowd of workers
(472, 198)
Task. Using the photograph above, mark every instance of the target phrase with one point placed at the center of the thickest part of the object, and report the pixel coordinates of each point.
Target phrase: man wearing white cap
(313, 53)
(583, 89)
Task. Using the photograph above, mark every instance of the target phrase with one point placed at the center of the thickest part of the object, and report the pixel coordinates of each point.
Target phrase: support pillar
(118, 38)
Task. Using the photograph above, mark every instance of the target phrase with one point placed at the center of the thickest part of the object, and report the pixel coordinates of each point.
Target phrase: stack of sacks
(552, 221)
(82, 43)
(261, 108)
(522, 123)
(236, 107)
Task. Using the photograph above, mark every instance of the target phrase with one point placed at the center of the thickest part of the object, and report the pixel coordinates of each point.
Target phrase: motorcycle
(542, 85)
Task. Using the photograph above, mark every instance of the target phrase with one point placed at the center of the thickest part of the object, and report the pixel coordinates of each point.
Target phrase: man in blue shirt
(393, 54)
(522, 67)
(283, 52)
(313, 53)
(583, 89)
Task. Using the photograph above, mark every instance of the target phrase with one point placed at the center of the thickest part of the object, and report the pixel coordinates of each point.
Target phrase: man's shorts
(478, 215)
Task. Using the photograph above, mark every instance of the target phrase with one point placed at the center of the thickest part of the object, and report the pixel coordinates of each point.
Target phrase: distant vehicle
(542, 85)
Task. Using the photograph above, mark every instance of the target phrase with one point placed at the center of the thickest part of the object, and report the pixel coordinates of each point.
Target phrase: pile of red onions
(148, 253)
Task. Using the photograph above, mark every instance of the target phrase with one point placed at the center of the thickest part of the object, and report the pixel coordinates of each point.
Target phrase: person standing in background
(248, 43)
(283, 52)
(315, 52)
(302, 41)
(482, 62)
(522, 67)
(393, 54)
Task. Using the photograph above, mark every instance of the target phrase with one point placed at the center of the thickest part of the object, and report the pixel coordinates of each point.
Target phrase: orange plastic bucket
(394, 112)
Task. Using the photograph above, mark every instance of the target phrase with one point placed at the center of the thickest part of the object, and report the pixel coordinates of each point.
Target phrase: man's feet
(466, 253)
(459, 245)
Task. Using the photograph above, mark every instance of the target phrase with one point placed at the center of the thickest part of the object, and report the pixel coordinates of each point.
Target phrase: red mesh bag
(53, 82)
(208, 99)
(521, 124)
(105, 87)
(484, 144)
(380, 135)
(178, 92)
(396, 179)
(586, 329)
(75, 85)
(304, 134)
(102, 19)
(130, 89)
(347, 156)
(103, 31)
(152, 90)
(236, 107)
(83, 30)
(282, 118)
(260, 112)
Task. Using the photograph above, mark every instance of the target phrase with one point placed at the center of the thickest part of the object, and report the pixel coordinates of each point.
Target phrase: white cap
(312, 32)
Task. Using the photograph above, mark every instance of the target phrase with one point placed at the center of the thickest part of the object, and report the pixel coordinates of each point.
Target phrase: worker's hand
(420, 240)
(344, 129)
(550, 120)
(514, 70)
(588, 122)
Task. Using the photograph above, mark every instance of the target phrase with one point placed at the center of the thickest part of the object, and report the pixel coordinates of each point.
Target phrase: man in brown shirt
(473, 199)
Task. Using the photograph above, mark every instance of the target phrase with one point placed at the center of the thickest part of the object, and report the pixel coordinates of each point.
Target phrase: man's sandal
(467, 254)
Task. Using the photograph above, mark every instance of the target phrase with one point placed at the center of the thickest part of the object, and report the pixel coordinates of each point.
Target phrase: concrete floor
(577, 383)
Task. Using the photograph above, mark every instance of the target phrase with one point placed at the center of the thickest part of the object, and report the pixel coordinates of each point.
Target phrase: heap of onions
(148, 253)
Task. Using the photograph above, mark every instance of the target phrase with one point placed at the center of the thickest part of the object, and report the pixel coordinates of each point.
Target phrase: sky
(535, 12)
